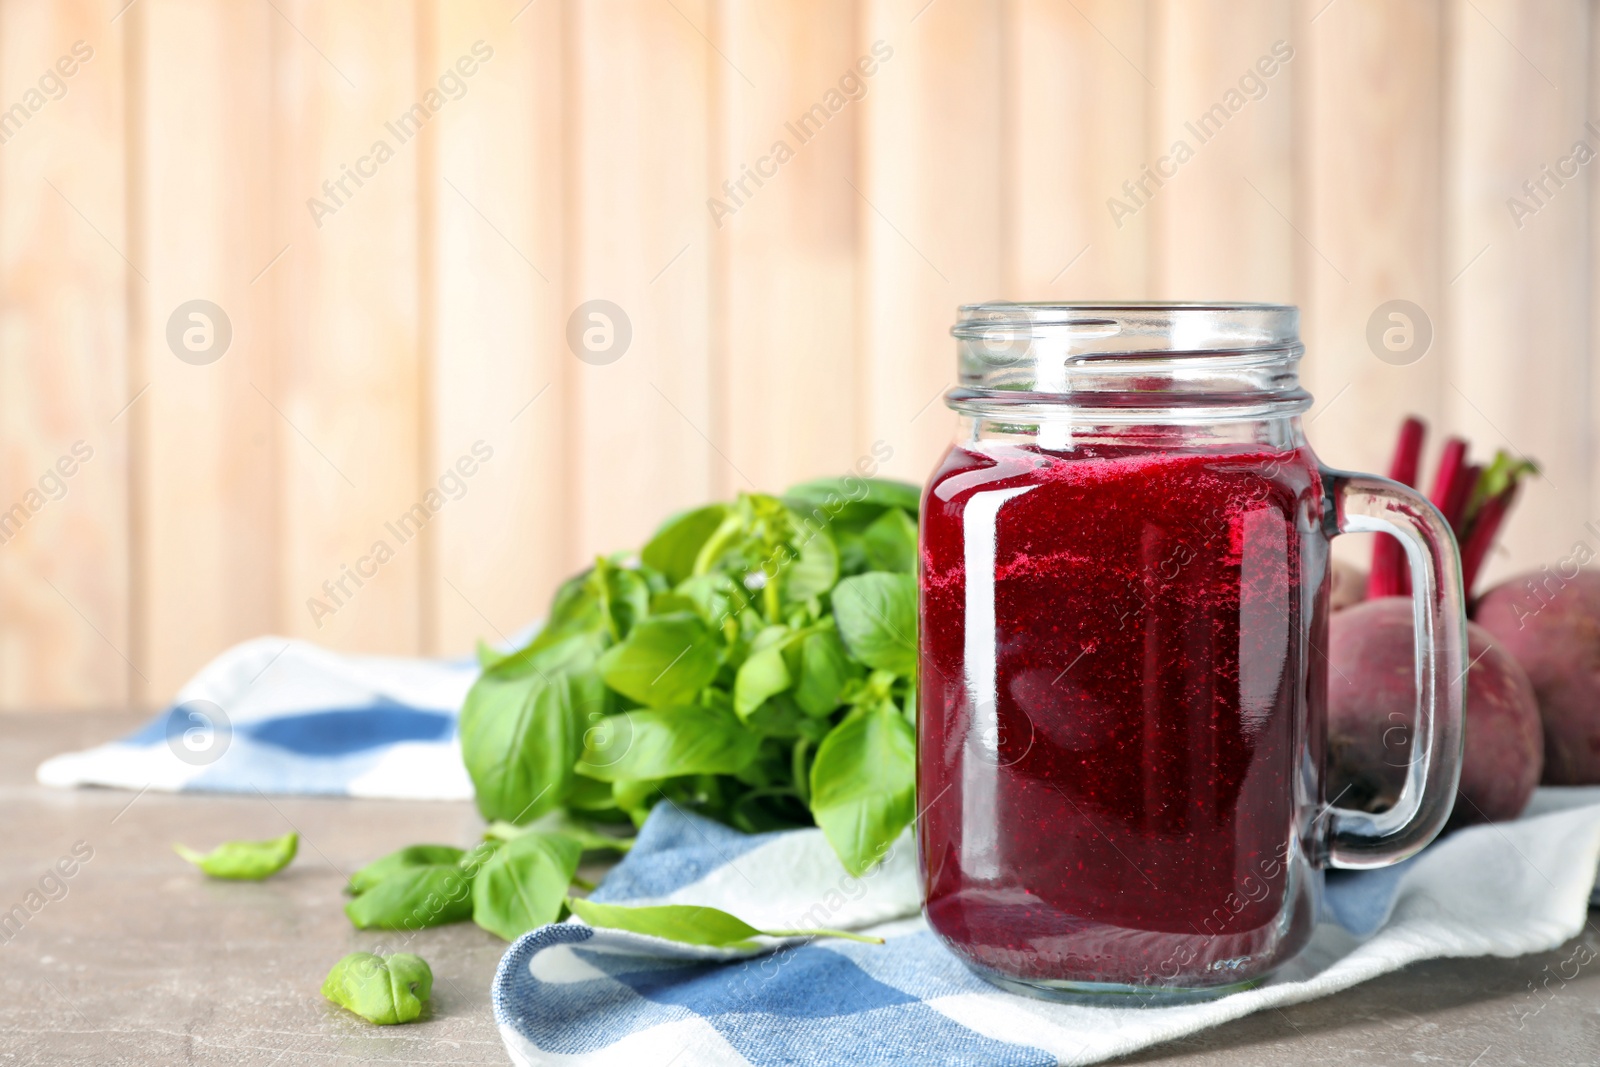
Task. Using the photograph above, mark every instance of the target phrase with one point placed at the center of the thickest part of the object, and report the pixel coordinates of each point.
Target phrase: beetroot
(1372, 704)
(1550, 621)
(1349, 585)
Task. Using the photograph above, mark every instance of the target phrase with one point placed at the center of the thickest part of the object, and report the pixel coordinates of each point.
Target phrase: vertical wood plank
(1077, 92)
(347, 401)
(1223, 220)
(500, 342)
(65, 638)
(206, 541)
(644, 443)
(1517, 294)
(930, 219)
(786, 223)
(1372, 74)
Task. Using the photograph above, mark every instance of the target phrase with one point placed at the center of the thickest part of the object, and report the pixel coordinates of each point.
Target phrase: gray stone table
(143, 962)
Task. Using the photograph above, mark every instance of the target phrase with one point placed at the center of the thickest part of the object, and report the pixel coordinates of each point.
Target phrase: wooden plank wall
(785, 200)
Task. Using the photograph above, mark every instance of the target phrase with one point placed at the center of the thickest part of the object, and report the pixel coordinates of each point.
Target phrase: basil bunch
(756, 663)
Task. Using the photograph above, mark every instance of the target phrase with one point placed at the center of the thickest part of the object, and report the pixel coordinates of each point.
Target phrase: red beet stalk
(1389, 577)
(1480, 538)
(1452, 484)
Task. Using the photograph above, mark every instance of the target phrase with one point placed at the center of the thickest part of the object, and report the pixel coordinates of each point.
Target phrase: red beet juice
(1121, 710)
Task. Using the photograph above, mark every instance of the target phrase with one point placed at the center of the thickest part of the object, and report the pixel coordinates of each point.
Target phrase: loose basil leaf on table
(863, 784)
(690, 924)
(667, 743)
(524, 884)
(414, 897)
(410, 856)
(381, 989)
(246, 861)
(877, 617)
(666, 660)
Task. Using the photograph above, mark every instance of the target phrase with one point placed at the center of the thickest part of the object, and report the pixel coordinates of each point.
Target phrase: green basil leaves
(244, 860)
(667, 742)
(717, 669)
(665, 660)
(381, 989)
(863, 784)
(877, 615)
(414, 897)
(405, 858)
(523, 884)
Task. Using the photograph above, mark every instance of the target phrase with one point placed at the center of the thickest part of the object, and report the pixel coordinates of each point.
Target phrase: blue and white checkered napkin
(574, 995)
(284, 716)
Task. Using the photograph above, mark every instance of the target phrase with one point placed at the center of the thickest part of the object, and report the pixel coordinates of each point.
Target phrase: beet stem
(1449, 479)
(1389, 577)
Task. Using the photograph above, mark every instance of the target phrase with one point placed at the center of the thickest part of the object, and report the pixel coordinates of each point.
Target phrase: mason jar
(1123, 671)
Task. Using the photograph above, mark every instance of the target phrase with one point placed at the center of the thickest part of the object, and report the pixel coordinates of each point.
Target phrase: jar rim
(1090, 329)
(1129, 360)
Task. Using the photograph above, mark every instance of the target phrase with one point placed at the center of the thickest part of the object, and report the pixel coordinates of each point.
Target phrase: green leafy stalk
(248, 861)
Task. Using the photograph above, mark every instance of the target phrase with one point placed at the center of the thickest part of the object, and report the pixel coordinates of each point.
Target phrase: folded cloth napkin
(575, 995)
(276, 715)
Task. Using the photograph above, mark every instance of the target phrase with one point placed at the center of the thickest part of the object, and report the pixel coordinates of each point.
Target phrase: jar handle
(1365, 503)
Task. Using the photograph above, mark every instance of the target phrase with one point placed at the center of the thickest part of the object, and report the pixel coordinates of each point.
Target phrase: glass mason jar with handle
(1123, 670)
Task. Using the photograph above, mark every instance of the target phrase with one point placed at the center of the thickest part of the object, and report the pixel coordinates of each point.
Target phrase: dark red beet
(1371, 705)
(1551, 623)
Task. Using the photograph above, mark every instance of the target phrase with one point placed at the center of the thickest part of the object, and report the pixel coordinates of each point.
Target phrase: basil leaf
(813, 570)
(246, 861)
(414, 897)
(824, 669)
(690, 924)
(781, 717)
(628, 598)
(519, 737)
(673, 549)
(411, 856)
(715, 597)
(524, 884)
(882, 492)
(666, 660)
(764, 673)
(382, 990)
(588, 794)
(891, 543)
(877, 617)
(667, 743)
(863, 784)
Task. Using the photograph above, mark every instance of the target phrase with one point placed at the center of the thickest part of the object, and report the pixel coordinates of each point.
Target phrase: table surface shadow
(137, 960)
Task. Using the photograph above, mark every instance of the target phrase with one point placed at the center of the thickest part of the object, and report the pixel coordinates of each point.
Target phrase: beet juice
(1117, 805)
